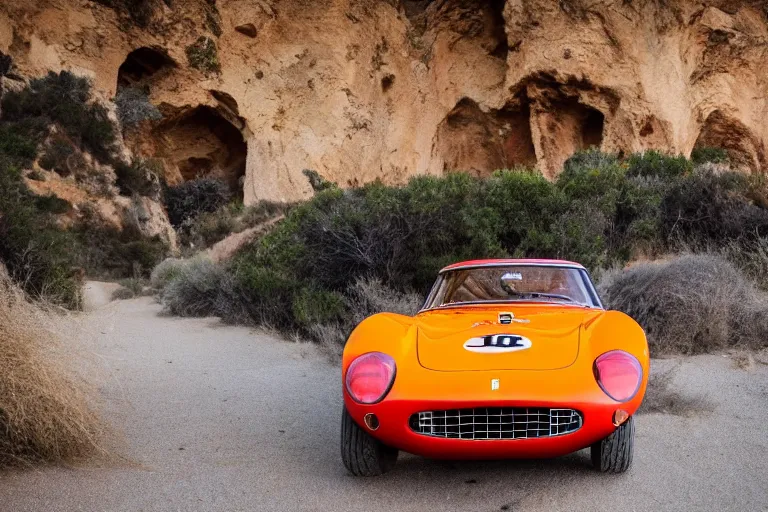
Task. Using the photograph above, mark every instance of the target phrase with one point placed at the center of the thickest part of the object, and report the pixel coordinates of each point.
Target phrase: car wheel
(364, 455)
(614, 453)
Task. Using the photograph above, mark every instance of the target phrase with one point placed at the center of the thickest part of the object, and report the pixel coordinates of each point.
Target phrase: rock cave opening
(141, 64)
(592, 124)
(471, 140)
(201, 142)
(724, 132)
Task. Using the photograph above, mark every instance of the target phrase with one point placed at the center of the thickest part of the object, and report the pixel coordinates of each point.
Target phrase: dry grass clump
(192, 287)
(165, 272)
(129, 289)
(691, 304)
(365, 297)
(45, 414)
(743, 360)
(661, 398)
(123, 293)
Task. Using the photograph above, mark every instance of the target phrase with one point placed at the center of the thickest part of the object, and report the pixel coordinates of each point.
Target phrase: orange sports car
(507, 358)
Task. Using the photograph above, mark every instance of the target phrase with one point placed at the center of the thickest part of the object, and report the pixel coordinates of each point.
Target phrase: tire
(362, 454)
(614, 453)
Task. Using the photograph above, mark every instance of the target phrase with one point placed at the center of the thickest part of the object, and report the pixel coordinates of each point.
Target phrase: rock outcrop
(357, 90)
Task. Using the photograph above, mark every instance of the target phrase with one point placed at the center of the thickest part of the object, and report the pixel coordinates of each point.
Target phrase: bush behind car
(602, 211)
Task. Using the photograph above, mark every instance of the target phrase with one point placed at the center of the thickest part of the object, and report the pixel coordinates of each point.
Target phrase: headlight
(619, 374)
(370, 377)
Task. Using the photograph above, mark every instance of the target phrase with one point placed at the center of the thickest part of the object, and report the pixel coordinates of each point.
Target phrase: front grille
(496, 422)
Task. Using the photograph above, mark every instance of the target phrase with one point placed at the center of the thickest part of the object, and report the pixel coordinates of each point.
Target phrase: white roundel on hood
(497, 343)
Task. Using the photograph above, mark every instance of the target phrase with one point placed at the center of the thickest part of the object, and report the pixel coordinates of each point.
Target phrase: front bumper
(421, 390)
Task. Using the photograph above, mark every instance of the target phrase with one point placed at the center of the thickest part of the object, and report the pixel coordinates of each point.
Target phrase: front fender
(389, 333)
(615, 330)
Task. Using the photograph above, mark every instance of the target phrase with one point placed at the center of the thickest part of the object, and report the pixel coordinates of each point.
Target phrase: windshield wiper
(538, 295)
(541, 295)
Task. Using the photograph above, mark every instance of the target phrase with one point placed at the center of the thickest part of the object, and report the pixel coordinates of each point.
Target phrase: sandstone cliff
(258, 90)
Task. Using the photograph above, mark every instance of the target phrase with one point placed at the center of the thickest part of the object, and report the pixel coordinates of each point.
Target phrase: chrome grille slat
(483, 423)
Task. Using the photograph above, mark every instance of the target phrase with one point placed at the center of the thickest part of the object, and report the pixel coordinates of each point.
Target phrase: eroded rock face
(364, 89)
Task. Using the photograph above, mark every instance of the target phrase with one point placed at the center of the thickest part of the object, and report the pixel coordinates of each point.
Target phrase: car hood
(540, 337)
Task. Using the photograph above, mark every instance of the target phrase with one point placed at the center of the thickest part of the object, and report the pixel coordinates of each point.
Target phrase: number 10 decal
(497, 343)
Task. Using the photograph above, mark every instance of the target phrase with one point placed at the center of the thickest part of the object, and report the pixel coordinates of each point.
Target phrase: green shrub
(316, 181)
(203, 55)
(264, 296)
(18, 141)
(206, 229)
(52, 204)
(711, 208)
(593, 177)
(129, 288)
(601, 211)
(134, 284)
(37, 254)
(168, 270)
(261, 212)
(702, 155)
(657, 164)
(108, 252)
(580, 234)
(313, 306)
(195, 290)
(191, 198)
(363, 298)
(523, 205)
(63, 99)
(46, 260)
(123, 293)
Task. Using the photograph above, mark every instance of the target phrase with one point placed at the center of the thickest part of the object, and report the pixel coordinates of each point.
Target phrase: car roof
(508, 261)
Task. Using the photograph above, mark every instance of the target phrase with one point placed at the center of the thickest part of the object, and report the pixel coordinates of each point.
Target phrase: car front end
(542, 376)
(492, 414)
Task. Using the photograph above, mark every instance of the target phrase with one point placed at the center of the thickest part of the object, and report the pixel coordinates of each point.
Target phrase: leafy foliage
(702, 155)
(56, 116)
(108, 252)
(38, 255)
(204, 55)
(63, 99)
(602, 211)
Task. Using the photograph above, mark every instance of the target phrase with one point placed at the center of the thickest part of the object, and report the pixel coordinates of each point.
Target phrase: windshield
(509, 283)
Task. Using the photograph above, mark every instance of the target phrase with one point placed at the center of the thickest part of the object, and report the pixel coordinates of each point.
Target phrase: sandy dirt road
(219, 418)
